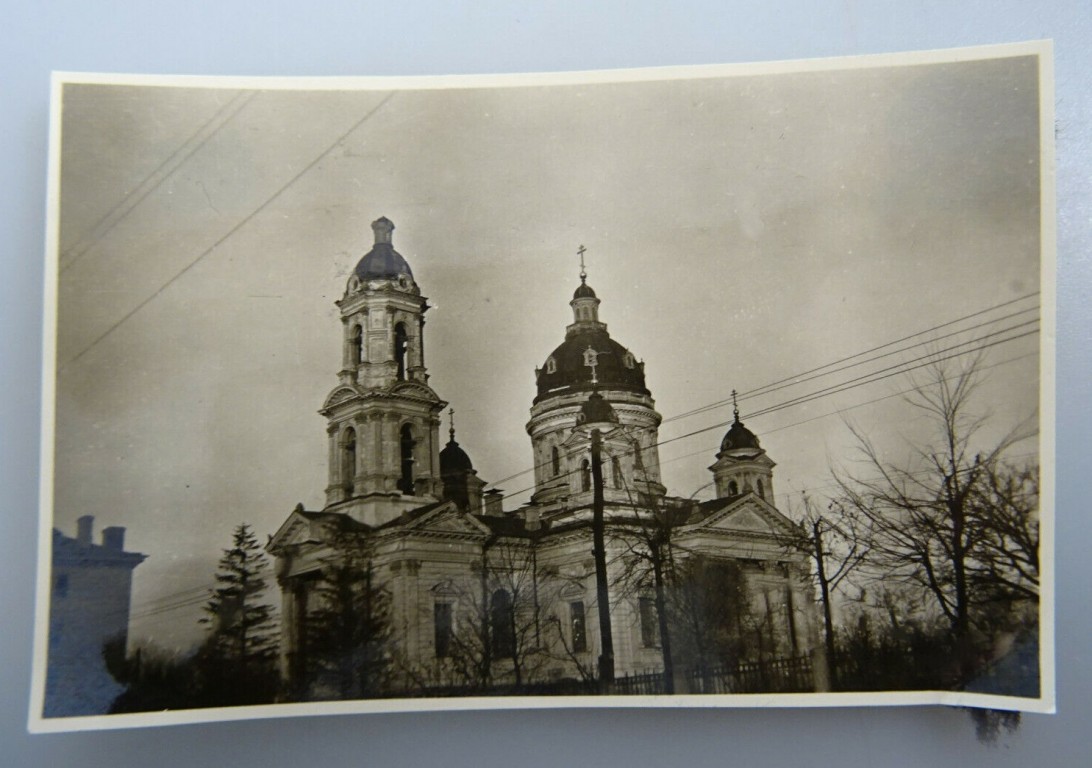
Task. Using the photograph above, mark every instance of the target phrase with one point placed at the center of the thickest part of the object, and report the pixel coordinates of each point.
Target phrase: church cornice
(402, 391)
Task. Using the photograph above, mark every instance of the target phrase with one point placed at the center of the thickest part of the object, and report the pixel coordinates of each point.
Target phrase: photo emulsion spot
(725, 386)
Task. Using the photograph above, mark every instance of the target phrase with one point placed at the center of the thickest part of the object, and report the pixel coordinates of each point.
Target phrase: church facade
(476, 594)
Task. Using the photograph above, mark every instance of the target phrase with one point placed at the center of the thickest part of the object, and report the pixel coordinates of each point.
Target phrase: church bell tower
(383, 419)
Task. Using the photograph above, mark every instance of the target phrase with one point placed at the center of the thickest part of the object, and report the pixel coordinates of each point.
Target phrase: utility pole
(606, 638)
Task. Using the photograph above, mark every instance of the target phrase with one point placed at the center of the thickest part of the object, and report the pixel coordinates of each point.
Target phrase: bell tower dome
(383, 419)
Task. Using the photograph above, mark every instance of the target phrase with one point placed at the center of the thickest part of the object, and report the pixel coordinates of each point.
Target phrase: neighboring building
(88, 607)
(467, 577)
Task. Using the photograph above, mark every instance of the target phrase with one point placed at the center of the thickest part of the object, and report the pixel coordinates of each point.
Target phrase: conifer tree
(348, 629)
(239, 654)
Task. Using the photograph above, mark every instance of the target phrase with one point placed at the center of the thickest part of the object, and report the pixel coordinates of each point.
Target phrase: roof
(583, 291)
(412, 514)
(509, 526)
(738, 436)
(339, 518)
(454, 460)
(382, 261)
(570, 373)
(68, 551)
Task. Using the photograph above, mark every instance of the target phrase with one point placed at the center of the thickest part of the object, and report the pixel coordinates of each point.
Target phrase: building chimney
(494, 499)
(84, 526)
(114, 538)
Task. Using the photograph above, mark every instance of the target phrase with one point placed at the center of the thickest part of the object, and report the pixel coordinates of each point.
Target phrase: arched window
(733, 488)
(616, 471)
(628, 360)
(761, 490)
(555, 461)
(551, 365)
(501, 619)
(358, 345)
(348, 459)
(405, 485)
(585, 475)
(638, 460)
(443, 629)
(401, 344)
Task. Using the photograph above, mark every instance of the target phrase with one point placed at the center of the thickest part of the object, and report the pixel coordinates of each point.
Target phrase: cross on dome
(583, 271)
(591, 359)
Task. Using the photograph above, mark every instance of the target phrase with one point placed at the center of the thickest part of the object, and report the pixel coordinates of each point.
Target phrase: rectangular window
(577, 627)
(650, 628)
(443, 629)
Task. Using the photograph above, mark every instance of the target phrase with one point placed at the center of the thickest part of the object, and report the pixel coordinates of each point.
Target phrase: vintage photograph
(728, 384)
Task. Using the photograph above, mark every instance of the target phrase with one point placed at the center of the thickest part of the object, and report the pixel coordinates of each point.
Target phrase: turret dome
(583, 291)
(738, 436)
(454, 460)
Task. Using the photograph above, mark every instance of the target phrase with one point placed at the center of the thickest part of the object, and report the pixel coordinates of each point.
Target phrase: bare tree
(1005, 508)
(711, 613)
(835, 543)
(502, 614)
(649, 562)
(931, 520)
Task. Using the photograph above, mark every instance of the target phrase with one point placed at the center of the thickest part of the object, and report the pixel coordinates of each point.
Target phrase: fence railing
(785, 675)
(646, 684)
(788, 675)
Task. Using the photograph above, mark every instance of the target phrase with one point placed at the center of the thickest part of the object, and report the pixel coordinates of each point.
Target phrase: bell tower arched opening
(401, 344)
(406, 444)
(357, 346)
(348, 459)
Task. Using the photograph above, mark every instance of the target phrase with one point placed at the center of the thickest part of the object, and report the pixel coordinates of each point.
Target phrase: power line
(907, 338)
(232, 231)
(928, 358)
(899, 368)
(796, 377)
(848, 408)
(825, 392)
(796, 380)
(162, 172)
(852, 384)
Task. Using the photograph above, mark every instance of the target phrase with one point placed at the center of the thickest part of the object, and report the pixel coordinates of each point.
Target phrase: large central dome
(589, 352)
(565, 368)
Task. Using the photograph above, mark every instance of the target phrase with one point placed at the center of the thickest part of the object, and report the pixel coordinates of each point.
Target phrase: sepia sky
(739, 230)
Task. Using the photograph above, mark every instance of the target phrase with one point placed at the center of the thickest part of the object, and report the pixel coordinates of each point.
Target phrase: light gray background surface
(293, 38)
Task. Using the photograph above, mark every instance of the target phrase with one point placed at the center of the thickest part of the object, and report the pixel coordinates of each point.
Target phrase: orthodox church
(511, 594)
